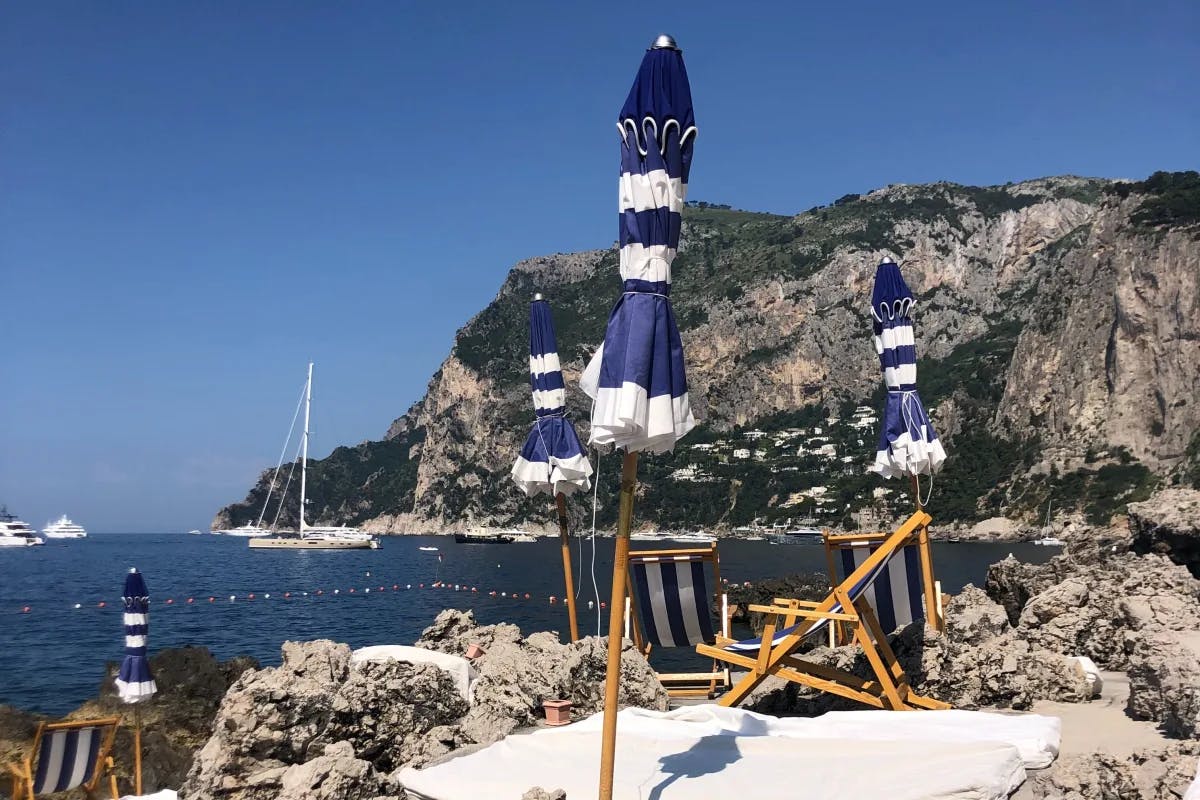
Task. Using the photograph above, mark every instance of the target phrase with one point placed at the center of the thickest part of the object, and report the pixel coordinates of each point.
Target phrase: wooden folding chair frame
(930, 588)
(890, 688)
(681, 684)
(22, 773)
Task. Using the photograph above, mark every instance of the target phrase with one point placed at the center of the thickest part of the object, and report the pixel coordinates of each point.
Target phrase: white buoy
(266, 597)
(77, 605)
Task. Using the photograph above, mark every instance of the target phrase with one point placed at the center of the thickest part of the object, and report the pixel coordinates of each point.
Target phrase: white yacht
(648, 536)
(249, 529)
(699, 537)
(15, 533)
(309, 537)
(63, 528)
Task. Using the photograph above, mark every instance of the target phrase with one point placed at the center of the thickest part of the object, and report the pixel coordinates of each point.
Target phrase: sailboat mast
(304, 447)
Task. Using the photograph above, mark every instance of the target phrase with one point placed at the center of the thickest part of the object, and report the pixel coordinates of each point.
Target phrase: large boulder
(1147, 775)
(1164, 683)
(276, 719)
(1169, 524)
(978, 662)
(1095, 609)
(319, 726)
(516, 675)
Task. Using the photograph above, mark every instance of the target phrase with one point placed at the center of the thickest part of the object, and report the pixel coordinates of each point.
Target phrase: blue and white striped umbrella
(637, 377)
(908, 444)
(134, 681)
(552, 459)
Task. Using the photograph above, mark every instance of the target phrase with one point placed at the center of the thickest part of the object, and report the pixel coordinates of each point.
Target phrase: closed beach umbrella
(908, 444)
(135, 684)
(637, 378)
(552, 460)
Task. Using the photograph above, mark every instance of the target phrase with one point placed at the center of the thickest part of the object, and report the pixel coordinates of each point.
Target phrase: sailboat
(319, 537)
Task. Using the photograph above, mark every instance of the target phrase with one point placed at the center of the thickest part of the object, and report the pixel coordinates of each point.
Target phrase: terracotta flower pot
(558, 712)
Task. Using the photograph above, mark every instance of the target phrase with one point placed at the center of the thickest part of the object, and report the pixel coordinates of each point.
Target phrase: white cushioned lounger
(707, 751)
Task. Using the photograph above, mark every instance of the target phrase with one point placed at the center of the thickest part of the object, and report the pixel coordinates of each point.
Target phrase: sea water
(53, 655)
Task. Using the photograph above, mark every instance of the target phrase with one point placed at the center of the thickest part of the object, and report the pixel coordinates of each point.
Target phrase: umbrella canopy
(552, 459)
(637, 376)
(908, 444)
(134, 681)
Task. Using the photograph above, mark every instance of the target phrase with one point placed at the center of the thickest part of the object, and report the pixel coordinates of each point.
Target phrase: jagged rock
(389, 714)
(538, 793)
(1094, 608)
(1169, 524)
(1011, 583)
(1147, 775)
(335, 775)
(516, 675)
(997, 529)
(979, 662)
(276, 727)
(1164, 684)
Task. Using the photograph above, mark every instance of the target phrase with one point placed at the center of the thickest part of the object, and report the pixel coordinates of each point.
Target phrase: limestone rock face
(1046, 312)
(1169, 524)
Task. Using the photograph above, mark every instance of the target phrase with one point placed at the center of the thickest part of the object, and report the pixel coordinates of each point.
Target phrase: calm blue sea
(53, 656)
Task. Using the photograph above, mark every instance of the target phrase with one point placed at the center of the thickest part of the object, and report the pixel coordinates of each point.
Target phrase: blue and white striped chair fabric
(858, 590)
(67, 758)
(897, 594)
(674, 605)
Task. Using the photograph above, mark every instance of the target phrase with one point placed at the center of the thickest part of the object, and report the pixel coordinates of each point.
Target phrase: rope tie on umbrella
(906, 400)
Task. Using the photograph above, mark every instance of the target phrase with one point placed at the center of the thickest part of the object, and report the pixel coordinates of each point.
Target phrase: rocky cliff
(1058, 341)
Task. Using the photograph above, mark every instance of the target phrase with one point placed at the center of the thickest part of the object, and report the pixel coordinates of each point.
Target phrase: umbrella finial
(132, 569)
(886, 260)
(665, 41)
(537, 296)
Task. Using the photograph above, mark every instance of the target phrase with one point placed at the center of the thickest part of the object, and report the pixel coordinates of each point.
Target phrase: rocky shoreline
(319, 726)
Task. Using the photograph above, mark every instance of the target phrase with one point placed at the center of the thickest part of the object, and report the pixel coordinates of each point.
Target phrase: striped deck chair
(905, 592)
(65, 756)
(675, 609)
(791, 622)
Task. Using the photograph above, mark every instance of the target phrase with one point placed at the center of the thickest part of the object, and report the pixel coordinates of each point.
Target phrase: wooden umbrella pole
(916, 487)
(616, 627)
(137, 749)
(564, 536)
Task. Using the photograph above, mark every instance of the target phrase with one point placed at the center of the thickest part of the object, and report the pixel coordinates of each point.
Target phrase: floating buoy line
(253, 597)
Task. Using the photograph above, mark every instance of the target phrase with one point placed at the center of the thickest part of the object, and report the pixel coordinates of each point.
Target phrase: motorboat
(795, 536)
(63, 528)
(481, 536)
(15, 532)
(249, 529)
(1050, 541)
(699, 537)
(428, 549)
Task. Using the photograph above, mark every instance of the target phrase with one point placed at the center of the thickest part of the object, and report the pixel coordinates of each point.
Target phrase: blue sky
(197, 198)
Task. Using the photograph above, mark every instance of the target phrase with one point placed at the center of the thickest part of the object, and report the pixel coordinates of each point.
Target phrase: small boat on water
(1050, 541)
(15, 532)
(428, 549)
(755, 538)
(195, 533)
(648, 536)
(524, 537)
(64, 528)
